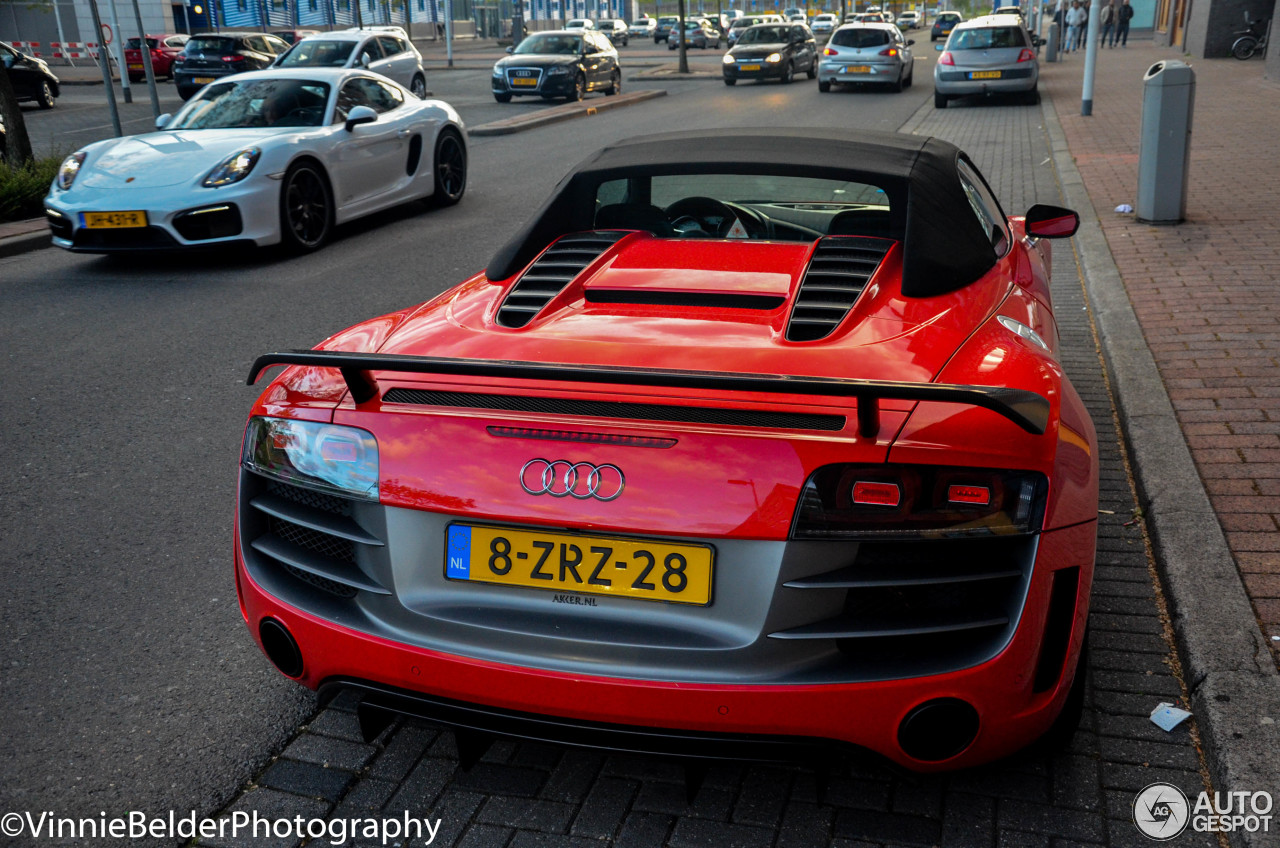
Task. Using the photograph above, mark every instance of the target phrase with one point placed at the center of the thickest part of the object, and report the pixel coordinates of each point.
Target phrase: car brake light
(946, 58)
(828, 52)
(867, 493)
(1026, 56)
(914, 502)
(889, 51)
(231, 58)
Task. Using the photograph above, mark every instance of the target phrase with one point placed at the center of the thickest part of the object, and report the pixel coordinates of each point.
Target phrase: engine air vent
(837, 274)
(551, 272)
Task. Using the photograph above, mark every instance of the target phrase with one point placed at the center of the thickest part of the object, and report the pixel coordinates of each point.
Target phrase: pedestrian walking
(1123, 15)
(1108, 20)
(1075, 19)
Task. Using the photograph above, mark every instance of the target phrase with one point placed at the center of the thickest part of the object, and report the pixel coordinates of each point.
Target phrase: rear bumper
(836, 71)
(955, 82)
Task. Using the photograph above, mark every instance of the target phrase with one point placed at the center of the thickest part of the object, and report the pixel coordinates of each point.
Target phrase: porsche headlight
(233, 169)
(774, 57)
(559, 70)
(729, 60)
(327, 457)
(69, 169)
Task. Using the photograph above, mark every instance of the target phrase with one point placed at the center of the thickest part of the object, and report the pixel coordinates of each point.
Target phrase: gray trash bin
(1168, 98)
(1052, 45)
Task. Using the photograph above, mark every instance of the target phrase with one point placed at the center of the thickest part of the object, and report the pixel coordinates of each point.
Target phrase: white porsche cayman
(262, 158)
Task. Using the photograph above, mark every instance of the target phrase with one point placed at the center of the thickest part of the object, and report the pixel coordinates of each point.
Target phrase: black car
(30, 77)
(560, 63)
(209, 56)
(767, 51)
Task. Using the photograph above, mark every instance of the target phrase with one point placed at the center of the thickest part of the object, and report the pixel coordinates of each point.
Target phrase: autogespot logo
(1161, 811)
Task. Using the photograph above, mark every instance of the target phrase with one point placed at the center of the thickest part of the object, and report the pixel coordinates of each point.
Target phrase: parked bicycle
(1252, 40)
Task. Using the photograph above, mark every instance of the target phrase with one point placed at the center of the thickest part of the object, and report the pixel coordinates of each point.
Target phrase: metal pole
(145, 49)
(684, 57)
(105, 64)
(1090, 63)
(118, 41)
(62, 39)
(448, 30)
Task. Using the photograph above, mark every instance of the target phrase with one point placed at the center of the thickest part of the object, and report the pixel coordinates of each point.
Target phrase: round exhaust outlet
(279, 646)
(938, 730)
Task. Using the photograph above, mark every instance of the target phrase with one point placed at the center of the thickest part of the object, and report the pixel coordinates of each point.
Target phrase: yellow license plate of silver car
(112, 220)
(643, 569)
(202, 80)
(750, 67)
(985, 75)
(857, 69)
(524, 81)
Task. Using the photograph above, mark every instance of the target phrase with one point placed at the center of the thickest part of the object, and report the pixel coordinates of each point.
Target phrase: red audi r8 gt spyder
(747, 444)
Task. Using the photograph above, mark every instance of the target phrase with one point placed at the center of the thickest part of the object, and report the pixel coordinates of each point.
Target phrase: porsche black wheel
(615, 84)
(419, 87)
(306, 208)
(501, 97)
(579, 89)
(45, 95)
(450, 169)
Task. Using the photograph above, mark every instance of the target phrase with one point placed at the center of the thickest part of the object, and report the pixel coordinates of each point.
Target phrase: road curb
(1228, 667)
(563, 113)
(25, 242)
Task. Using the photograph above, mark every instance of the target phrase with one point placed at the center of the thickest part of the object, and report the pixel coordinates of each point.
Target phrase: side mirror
(364, 60)
(163, 120)
(360, 115)
(910, 41)
(511, 50)
(1044, 221)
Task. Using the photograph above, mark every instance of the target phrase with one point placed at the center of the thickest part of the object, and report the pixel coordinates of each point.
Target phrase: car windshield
(211, 44)
(555, 45)
(254, 103)
(860, 37)
(987, 38)
(765, 35)
(317, 52)
(688, 204)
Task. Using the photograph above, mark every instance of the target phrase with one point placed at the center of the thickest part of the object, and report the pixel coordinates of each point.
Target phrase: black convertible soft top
(944, 245)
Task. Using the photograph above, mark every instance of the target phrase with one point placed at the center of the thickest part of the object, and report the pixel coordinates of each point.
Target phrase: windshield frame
(252, 115)
(525, 48)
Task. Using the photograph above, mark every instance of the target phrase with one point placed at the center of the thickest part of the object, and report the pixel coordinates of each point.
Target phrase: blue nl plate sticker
(459, 565)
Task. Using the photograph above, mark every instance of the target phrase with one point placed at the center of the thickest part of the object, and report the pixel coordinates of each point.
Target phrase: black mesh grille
(311, 498)
(333, 587)
(551, 272)
(610, 409)
(837, 274)
(313, 540)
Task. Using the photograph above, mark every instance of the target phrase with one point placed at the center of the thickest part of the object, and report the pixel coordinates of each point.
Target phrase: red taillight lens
(889, 51)
(946, 58)
(231, 58)
(828, 52)
(917, 502)
(1026, 55)
(867, 493)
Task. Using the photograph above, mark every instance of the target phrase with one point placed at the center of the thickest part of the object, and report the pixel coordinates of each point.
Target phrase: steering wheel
(711, 218)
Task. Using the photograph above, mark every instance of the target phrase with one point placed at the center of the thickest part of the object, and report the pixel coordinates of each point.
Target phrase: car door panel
(368, 161)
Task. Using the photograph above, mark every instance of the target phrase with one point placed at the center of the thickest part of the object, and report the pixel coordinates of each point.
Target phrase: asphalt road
(129, 680)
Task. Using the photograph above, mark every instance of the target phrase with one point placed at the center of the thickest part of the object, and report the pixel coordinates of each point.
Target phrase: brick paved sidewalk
(1206, 292)
(524, 795)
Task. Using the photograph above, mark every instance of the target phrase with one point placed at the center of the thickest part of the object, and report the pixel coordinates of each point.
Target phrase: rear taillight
(828, 52)
(889, 51)
(946, 58)
(1026, 56)
(232, 59)
(907, 501)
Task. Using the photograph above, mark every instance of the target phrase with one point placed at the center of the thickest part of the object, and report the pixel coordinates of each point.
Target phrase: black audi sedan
(209, 56)
(772, 51)
(559, 63)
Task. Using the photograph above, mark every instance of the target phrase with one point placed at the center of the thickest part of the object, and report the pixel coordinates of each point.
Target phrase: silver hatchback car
(867, 52)
(989, 55)
(383, 50)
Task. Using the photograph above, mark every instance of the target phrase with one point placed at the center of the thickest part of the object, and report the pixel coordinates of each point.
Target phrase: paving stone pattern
(1205, 291)
(523, 795)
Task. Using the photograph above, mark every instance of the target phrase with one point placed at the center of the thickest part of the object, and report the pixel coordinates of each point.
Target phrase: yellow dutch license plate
(202, 80)
(135, 66)
(565, 562)
(857, 69)
(750, 67)
(524, 81)
(112, 220)
(985, 75)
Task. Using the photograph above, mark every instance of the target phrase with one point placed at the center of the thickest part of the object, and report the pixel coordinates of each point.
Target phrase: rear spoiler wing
(1028, 410)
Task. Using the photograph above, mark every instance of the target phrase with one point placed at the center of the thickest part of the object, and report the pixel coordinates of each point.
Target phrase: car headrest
(863, 222)
(634, 216)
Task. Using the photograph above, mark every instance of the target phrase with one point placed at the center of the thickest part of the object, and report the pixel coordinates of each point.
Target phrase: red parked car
(163, 48)
(741, 447)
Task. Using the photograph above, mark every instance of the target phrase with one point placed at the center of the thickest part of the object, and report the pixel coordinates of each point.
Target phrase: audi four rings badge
(582, 480)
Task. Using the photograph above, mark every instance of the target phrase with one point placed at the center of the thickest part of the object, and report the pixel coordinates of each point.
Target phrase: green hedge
(22, 190)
